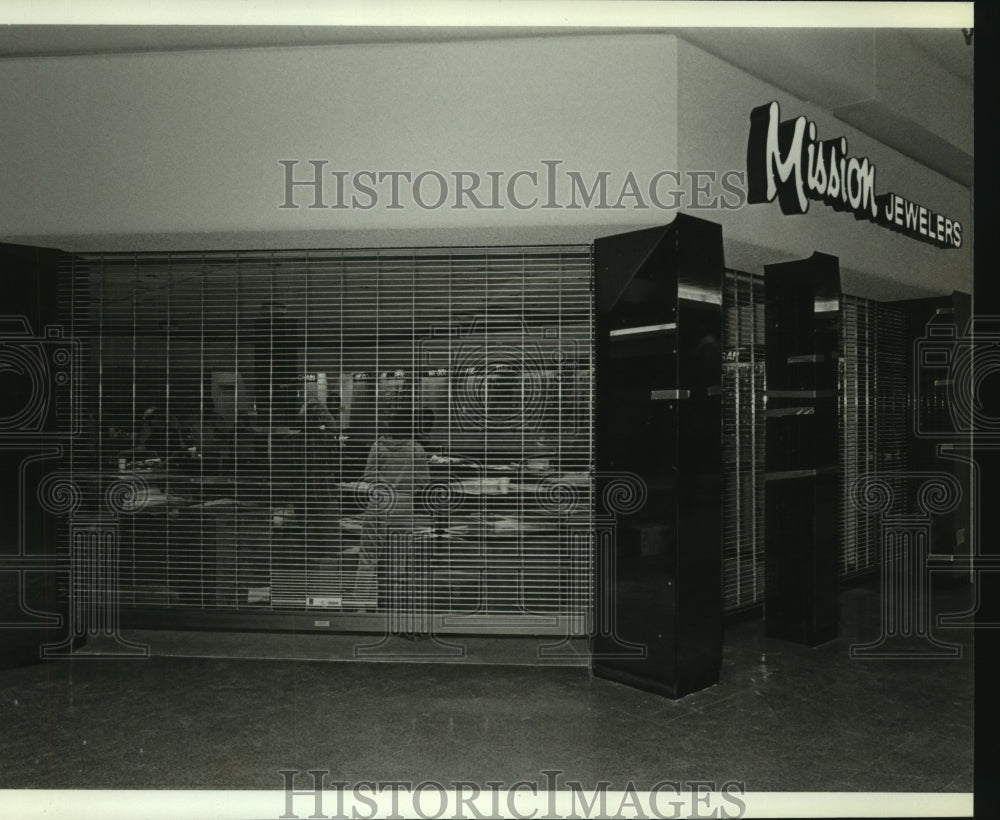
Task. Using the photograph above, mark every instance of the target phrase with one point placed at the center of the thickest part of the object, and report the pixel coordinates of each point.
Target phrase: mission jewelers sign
(785, 160)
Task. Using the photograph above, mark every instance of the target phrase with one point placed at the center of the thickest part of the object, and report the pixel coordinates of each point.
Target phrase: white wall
(181, 150)
(715, 101)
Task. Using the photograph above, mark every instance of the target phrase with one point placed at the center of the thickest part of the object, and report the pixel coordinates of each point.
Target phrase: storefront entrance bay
(240, 395)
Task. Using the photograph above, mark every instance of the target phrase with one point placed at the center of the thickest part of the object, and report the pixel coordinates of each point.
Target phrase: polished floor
(783, 718)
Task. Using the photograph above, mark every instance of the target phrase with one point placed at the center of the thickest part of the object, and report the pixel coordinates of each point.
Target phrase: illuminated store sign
(785, 160)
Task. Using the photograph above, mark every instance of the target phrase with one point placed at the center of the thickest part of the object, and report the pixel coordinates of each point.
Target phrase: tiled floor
(784, 717)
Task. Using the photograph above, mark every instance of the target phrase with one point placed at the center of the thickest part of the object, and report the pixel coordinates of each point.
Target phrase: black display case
(657, 439)
(802, 473)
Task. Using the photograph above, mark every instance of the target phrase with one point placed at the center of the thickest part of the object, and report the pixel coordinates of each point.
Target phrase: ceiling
(838, 69)
(58, 40)
(910, 89)
(947, 47)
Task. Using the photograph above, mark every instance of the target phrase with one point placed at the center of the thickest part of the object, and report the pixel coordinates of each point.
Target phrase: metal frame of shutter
(857, 433)
(743, 383)
(498, 341)
(873, 418)
(872, 429)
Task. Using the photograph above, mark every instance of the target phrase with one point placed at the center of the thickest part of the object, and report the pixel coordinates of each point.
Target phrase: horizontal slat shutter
(244, 391)
(743, 441)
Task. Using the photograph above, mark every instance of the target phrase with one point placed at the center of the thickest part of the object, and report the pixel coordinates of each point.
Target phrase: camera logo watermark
(314, 184)
(41, 415)
(417, 597)
(906, 544)
(94, 564)
(950, 372)
(954, 369)
(504, 379)
(38, 375)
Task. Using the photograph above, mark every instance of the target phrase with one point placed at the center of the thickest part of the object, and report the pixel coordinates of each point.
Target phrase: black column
(658, 456)
(802, 478)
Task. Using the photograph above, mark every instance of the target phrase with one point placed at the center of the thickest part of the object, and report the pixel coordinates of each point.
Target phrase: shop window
(243, 394)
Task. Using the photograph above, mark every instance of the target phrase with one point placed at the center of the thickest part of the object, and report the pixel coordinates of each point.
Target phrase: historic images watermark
(508, 382)
(505, 377)
(316, 184)
(548, 797)
(905, 527)
(951, 367)
(410, 581)
(953, 363)
(37, 370)
(39, 419)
